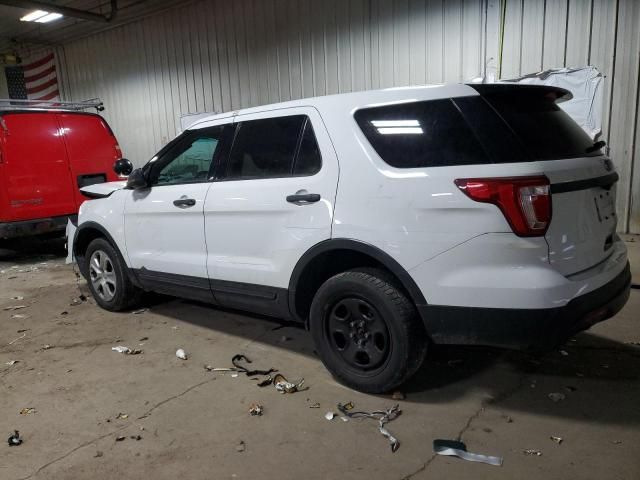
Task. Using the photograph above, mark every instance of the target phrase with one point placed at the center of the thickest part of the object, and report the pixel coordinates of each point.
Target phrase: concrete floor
(191, 421)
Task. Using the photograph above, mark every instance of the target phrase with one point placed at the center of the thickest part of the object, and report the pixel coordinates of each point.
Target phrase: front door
(164, 224)
(273, 201)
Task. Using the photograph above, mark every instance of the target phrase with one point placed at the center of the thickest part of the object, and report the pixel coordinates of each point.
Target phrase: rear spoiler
(555, 94)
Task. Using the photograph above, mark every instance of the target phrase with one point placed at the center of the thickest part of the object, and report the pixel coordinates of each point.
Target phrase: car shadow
(598, 377)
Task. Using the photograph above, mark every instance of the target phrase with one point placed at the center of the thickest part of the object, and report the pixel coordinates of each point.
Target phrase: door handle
(184, 202)
(303, 198)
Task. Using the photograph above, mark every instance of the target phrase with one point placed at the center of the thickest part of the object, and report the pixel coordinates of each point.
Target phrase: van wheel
(107, 277)
(366, 331)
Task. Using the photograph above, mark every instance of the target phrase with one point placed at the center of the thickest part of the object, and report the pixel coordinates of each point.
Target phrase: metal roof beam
(66, 11)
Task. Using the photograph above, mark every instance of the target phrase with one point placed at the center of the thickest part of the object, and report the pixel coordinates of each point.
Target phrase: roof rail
(16, 104)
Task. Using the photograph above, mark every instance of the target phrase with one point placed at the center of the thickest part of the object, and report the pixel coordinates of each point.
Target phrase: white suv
(382, 220)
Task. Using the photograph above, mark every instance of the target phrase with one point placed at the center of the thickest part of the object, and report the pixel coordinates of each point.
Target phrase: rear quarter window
(421, 134)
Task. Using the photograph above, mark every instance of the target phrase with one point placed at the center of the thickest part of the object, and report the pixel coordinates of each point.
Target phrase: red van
(45, 157)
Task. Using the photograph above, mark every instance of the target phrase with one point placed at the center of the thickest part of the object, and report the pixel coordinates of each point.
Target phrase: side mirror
(137, 180)
(123, 167)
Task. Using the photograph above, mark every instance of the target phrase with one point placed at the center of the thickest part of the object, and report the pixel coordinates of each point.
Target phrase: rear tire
(366, 331)
(108, 278)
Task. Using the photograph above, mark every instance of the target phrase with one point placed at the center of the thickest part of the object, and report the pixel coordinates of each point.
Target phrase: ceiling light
(33, 16)
(49, 18)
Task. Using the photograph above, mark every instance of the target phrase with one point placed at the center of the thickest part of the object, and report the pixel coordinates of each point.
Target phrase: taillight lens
(524, 201)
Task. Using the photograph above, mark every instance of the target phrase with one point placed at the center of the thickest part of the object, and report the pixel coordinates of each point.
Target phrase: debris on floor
(122, 416)
(315, 405)
(508, 418)
(241, 368)
(46, 346)
(383, 417)
(16, 339)
(139, 311)
(120, 438)
(137, 438)
(15, 439)
(28, 411)
(98, 454)
(126, 350)
(564, 353)
(531, 451)
(241, 446)
(266, 381)
(459, 449)
(256, 409)
(14, 307)
(284, 386)
(570, 388)
(209, 368)
(329, 415)
(556, 396)
(181, 354)
(17, 298)
(398, 396)
(19, 316)
(558, 440)
(11, 363)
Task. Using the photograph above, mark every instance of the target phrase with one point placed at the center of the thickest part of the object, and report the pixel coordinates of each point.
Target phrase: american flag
(35, 80)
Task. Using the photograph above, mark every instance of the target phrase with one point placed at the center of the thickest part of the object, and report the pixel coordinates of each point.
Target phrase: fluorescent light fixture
(49, 18)
(400, 131)
(395, 123)
(33, 16)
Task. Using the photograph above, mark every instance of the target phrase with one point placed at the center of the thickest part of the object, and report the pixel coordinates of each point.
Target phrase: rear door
(35, 168)
(92, 149)
(583, 223)
(272, 202)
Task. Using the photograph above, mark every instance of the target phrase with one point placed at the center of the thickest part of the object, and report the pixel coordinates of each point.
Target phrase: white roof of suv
(355, 100)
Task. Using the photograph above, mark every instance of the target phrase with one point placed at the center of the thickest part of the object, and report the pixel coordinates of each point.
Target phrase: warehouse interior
(157, 66)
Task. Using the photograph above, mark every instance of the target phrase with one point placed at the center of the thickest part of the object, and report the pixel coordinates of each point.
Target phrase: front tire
(107, 277)
(366, 331)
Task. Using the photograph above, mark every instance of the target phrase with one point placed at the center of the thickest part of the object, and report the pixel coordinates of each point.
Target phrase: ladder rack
(17, 104)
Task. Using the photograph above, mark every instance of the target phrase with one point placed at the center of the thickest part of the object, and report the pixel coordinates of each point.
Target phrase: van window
(265, 148)
(421, 134)
(546, 131)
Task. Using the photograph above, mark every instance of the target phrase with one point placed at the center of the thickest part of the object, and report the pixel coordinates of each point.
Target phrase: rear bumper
(526, 328)
(38, 226)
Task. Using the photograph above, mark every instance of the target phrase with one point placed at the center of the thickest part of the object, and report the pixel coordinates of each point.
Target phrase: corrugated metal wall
(223, 55)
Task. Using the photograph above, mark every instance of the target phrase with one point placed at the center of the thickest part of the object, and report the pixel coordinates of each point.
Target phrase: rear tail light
(524, 201)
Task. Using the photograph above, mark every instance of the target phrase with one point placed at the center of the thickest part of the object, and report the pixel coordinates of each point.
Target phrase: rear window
(546, 131)
(421, 134)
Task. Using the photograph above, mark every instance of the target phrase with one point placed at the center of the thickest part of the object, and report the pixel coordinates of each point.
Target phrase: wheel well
(83, 239)
(324, 266)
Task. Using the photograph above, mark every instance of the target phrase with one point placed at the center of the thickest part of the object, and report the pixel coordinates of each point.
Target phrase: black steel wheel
(366, 331)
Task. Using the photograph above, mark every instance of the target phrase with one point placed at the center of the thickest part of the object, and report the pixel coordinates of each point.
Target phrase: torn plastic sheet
(241, 368)
(585, 84)
(383, 417)
(459, 449)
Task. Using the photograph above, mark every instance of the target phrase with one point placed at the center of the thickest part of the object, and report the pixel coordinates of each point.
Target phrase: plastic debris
(383, 417)
(557, 396)
(11, 363)
(531, 451)
(14, 307)
(266, 381)
(27, 411)
(120, 438)
(46, 347)
(122, 416)
(256, 409)
(143, 339)
(209, 368)
(329, 415)
(126, 350)
(284, 386)
(398, 396)
(241, 368)
(19, 316)
(315, 405)
(558, 440)
(14, 439)
(181, 354)
(139, 311)
(17, 298)
(241, 447)
(458, 449)
(137, 438)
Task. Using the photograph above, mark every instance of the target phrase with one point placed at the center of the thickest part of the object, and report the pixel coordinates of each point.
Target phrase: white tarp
(584, 83)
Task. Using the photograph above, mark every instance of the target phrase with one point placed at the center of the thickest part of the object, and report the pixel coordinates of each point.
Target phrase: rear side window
(274, 147)
(546, 131)
(421, 134)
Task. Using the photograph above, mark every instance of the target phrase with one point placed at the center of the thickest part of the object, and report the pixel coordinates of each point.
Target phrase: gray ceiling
(12, 30)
